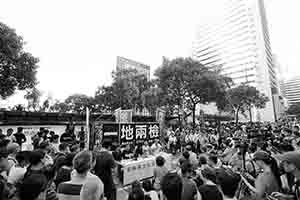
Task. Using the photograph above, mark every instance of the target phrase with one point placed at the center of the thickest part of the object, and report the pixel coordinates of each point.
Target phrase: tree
(186, 83)
(59, 107)
(17, 67)
(241, 99)
(294, 109)
(33, 98)
(79, 102)
(152, 99)
(126, 91)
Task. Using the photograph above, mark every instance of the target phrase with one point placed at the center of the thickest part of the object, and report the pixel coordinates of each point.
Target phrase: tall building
(291, 90)
(124, 63)
(238, 43)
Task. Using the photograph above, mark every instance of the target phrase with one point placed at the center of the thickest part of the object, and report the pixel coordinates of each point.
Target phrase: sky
(77, 41)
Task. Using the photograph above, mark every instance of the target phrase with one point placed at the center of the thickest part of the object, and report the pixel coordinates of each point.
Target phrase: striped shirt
(69, 191)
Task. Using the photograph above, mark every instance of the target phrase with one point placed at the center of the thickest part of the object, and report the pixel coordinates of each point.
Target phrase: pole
(87, 144)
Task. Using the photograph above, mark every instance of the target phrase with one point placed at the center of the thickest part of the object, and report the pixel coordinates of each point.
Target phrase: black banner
(138, 133)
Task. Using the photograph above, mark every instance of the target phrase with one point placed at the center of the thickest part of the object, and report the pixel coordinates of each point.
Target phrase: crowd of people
(209, 162)
(58, 168)
(228, 162)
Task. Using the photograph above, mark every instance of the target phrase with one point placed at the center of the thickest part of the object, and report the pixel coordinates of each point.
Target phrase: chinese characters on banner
(138, 133)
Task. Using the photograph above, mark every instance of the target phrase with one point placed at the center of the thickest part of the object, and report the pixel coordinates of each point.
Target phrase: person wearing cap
(291, 164)
(269, 180)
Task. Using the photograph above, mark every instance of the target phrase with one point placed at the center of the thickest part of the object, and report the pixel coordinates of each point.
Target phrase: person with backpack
(60, 157)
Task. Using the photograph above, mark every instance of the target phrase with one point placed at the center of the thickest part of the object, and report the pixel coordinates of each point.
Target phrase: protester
(33, 188)
(83, 163)
(159, 172)
(291, 164)
(9, 134)
(105, 163)
(269, 180)
(64, 172)
(189, 187)
(209, 189)
(49, 173)
(36, 163)
(193, 157)
(156, 147)
(92, 189)
(45, 147)
(81, 136)
(19, 137)
(228, 183)
(171, 186)
(12, 149)
(38, 138)
(17, 172)
(136, 192)
(67, 137)
(60, 156)
(149, 190)
(54, 144)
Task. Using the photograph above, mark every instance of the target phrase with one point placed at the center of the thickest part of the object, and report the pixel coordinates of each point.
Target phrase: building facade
(291, 90)
(125, 63)
(238, 43)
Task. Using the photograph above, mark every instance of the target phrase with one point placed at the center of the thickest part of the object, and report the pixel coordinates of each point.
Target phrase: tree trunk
(250, 114)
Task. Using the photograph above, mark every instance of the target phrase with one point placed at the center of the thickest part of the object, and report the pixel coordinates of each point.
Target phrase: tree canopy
(185, 83)
(241, 99)
(18, 68)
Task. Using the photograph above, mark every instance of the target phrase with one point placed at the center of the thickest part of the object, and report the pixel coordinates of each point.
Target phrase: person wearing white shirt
(156, 147)
(18, 170)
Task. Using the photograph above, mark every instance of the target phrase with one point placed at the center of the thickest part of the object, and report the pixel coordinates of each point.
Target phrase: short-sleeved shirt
(189, 189)
(69, 191)
(209, 192)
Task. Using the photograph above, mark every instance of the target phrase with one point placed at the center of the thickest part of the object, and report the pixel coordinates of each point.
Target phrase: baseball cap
(291, 157)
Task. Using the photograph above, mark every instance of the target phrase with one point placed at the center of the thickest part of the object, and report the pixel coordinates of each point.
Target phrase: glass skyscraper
(238, 42)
